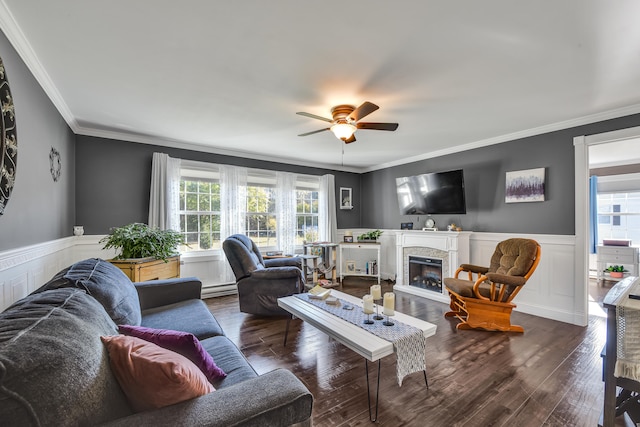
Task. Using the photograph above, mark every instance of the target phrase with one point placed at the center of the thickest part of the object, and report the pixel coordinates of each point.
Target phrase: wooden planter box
(143, 269)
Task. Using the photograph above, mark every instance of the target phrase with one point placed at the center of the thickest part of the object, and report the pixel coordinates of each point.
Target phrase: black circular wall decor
(55, 163)
(8, 141)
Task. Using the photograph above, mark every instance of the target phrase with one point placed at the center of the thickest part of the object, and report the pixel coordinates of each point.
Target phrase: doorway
(606, 149)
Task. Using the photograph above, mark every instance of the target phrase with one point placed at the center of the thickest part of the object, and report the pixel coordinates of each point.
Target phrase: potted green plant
(143, 252)
(370, 236)
(616, 271)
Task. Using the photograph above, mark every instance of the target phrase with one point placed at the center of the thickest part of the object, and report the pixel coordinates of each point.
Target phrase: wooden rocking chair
(483, 300)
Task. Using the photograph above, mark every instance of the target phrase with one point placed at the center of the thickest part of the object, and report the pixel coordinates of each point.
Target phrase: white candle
(389, 304)
(367, 301)
(376, 292)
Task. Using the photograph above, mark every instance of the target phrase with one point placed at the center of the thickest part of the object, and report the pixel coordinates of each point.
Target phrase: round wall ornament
(8, 140)
(55, 164)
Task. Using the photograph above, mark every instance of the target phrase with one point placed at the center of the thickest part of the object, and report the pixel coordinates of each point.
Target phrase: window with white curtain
(201, 211)
(261, 216)
(307, 211)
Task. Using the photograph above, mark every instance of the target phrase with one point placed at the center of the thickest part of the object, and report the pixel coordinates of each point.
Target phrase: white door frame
(581, 152)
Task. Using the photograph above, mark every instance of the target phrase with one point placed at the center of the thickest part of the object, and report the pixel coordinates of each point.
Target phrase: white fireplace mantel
(453, 245)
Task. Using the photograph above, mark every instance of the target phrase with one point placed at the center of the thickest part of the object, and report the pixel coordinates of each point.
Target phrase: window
(261, 215)
(619, 216)
(199, 211)
(306, 216)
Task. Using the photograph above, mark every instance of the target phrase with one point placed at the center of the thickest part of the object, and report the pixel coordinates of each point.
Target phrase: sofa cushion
(183, 343)
(191, 316)
(106, 283)
(54, 369)
(151, 376)
(229, 358)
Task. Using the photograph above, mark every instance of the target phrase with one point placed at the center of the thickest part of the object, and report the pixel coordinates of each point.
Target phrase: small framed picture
(406, 226)
(348, 239)
(346, 198)
(351, 266)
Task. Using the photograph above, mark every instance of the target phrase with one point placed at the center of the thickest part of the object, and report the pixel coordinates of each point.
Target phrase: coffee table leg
(366, 369)
(286, 330)
(425, 378)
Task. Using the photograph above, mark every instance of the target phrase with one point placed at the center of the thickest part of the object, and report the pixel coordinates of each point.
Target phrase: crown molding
(174, 143)
(580, 121)
(16, 37)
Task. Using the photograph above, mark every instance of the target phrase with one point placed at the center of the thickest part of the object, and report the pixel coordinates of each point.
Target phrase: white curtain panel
(233, 206)
(286, 211)
(164, 196)
(327, 221)
(233, 200)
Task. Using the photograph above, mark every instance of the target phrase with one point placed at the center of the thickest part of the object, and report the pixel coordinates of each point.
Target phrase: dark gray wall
(114, 178)
(39, 209)
(484, 174)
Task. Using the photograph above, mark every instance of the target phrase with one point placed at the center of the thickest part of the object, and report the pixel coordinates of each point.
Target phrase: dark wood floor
(548, 376)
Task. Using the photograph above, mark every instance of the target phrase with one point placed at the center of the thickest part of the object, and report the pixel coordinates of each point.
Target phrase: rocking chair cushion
(464, 288)
(513, 257)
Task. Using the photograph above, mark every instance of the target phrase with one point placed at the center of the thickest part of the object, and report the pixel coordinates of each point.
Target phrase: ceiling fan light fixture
(343, 131)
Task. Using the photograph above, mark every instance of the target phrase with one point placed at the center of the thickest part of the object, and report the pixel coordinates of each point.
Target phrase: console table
(617, 255)
(372, 247)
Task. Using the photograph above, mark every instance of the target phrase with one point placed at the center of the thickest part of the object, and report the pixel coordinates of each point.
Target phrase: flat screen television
(432, 193)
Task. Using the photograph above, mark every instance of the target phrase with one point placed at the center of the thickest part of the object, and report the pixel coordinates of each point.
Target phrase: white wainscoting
(24, 270)
(552, 291)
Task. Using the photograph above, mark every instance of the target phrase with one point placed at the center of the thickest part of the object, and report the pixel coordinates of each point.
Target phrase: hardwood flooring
(549, 376)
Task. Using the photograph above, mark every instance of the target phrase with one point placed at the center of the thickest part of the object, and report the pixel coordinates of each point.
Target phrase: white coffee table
(369, 346)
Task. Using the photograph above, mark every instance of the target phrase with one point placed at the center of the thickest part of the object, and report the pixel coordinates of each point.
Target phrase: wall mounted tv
(432, 193)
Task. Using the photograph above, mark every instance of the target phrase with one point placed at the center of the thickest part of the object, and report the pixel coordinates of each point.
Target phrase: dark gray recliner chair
(261, 282)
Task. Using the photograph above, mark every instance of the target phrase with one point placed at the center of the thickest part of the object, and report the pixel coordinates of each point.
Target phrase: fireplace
(425, 273)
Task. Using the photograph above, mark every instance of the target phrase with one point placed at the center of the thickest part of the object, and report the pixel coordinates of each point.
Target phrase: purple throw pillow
(183, 343)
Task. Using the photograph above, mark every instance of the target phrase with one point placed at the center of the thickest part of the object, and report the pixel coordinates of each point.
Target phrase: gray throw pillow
(54, 370)
(106, 283)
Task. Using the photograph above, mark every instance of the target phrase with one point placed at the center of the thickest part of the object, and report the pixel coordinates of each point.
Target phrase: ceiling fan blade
(362, 111)
(315, 131)
(350, 140)
(313, 116)
(377, 126)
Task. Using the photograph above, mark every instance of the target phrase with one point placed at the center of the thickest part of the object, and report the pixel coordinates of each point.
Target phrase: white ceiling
(229, 76)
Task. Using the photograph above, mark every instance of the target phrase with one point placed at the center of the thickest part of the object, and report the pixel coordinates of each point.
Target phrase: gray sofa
(54, 369)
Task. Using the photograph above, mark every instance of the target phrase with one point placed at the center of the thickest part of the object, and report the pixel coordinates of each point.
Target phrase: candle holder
(377, 316)
(388, 322)
(368, 320)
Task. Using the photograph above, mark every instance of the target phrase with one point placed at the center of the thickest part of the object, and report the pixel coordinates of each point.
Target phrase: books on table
(318, 292)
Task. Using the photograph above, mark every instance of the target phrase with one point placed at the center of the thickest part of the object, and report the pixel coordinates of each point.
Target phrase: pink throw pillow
(153, 377)
(183, 343)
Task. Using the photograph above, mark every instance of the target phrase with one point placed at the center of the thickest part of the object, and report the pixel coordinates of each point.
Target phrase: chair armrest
(277, 281)
(283, 262)
(474, 268)
(277, 398)
(506, 280)
(156, 293)
(272, 273)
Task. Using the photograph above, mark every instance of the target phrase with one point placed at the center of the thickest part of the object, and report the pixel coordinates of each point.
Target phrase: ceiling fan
(346, 120)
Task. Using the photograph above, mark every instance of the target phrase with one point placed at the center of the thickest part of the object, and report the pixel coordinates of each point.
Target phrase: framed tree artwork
(525, 186)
